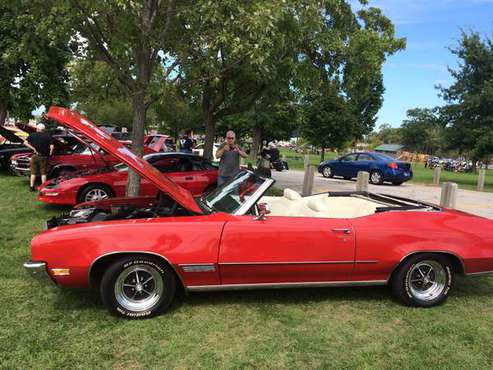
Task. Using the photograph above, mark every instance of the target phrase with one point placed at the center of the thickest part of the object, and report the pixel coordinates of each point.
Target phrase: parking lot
(478, 203)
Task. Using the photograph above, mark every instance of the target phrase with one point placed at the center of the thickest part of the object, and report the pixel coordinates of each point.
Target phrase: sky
(430, 27)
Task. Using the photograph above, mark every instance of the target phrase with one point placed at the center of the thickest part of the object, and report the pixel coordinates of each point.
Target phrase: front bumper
(38, 271)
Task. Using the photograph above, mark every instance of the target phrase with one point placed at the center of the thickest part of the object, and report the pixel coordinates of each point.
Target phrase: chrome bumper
(38, 271)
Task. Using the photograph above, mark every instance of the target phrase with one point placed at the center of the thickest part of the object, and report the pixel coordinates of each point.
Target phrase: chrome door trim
(198, 267)
(287, 263)
(314, 284)
(481, 273)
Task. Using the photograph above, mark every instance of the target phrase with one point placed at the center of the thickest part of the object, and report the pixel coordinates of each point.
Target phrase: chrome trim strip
(288, 263)
(297, 263)
(132, 252)
(314, 284)
(38, 271)
(254, 198)
(200, 267)
(481, 273)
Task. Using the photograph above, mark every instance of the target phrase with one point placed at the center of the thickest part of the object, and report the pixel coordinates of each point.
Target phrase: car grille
(23, 163)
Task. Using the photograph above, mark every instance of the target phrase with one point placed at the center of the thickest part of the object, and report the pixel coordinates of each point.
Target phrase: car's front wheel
(95, 192)
(327, 172)
(423, 280)
(138, 287)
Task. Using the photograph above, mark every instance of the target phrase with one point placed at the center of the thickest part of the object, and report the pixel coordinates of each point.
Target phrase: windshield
(234, 193)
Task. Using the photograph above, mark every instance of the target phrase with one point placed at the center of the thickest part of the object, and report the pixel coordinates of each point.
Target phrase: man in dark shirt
(229, 154)
(187, 142)
(42, 145)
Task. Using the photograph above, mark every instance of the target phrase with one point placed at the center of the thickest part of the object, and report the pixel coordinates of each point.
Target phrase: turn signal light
(393, 165)
(60, 272)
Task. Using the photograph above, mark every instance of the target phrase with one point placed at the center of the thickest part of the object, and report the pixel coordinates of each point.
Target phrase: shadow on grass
(79, 299)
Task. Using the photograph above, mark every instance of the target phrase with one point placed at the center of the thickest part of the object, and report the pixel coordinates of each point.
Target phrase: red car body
(209, 245)
(69, 158)
(189, 171)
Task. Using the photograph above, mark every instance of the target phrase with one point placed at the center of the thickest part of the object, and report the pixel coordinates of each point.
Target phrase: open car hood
(10, 135)
(80, 124)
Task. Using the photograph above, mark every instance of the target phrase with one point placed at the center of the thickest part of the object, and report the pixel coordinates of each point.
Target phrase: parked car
(72, 154)
(160, 143)
(138, 252)
(12, 145)
(381, 167)
(199, 150)
(194, 173)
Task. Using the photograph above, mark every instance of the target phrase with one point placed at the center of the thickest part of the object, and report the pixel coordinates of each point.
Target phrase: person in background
(187, 142)
(229, 155)
(42, 145)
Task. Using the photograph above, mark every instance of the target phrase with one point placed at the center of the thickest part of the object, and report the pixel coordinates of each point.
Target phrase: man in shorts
(42, 145)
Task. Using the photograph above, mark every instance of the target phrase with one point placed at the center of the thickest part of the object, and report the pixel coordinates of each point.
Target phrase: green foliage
(33, 54)
(423, 131)
(469, 108)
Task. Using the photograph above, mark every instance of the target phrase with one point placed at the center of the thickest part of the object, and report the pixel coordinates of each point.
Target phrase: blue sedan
(381, 167)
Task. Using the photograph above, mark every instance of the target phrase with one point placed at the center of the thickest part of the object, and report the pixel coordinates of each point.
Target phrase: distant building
(390, 149)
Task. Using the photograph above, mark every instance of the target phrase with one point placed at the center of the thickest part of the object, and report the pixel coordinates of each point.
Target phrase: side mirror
(263, 210)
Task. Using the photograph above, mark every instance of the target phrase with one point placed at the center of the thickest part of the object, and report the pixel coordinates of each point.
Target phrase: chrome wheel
(139, 288)
(376, 177)
(96, 194)
(327, 172)
(427, 280)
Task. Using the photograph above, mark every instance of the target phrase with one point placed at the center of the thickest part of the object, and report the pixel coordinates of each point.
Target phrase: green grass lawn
(464, 180)
(296, 161)
(45, 327)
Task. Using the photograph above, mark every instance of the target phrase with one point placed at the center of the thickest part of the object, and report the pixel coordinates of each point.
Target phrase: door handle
(342, 231)
(188, 177)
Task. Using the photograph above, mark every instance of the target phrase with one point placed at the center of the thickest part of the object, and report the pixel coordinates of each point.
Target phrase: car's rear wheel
(376, 177)
(138, 287)
(95, 192)
(423, 280)
(327, 172)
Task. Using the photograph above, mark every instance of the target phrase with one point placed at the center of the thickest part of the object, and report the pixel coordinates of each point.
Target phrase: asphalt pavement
(475, 202)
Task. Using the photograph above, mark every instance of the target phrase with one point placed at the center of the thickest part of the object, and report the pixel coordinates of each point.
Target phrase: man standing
(42, 145)
(186, 142)
(229, 154)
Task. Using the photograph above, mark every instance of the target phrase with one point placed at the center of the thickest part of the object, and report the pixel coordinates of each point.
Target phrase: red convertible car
(137, 252)
(192, 172)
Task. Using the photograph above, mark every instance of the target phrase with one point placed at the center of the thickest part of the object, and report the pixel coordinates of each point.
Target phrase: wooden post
(307, 161)
(481, 179)
(436, 175)
(362, 181)
(449, 195)
(308, 180)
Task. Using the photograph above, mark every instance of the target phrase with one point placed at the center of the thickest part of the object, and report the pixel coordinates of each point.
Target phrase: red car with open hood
(138, 251)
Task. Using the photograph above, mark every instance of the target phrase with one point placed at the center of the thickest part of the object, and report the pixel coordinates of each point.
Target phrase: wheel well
(82, 188)
(455, 261)
(99, 267)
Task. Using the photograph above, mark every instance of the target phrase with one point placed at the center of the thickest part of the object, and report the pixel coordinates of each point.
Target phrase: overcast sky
(430, 27)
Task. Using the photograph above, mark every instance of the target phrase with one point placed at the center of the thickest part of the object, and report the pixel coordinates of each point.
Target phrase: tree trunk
(3, 114)
(210, 134)
(138, 124)
(322, 155)
(257, 142)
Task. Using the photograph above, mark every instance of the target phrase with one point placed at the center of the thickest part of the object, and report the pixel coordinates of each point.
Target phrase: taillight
(393, 165)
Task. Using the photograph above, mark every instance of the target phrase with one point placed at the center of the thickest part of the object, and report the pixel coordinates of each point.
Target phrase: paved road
(479, 203)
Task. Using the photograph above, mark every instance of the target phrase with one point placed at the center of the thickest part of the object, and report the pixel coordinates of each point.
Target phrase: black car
(12, 145)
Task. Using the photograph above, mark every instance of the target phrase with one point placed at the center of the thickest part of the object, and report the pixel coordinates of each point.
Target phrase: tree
(469, 109)
(134, 39)
(33, 54)
(98, 93)
(423, 130)
(343, 62)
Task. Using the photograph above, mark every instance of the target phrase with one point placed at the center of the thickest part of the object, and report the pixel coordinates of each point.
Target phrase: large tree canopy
(33, 55)
(470, 98)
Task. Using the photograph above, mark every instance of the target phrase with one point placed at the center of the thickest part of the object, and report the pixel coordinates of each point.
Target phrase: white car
(199, 150)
